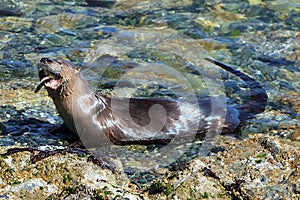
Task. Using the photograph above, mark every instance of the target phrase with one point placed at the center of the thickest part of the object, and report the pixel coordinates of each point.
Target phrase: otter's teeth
(53, 84)
(42, 82)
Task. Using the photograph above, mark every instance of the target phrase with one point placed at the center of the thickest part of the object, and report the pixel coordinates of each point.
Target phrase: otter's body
(100, 119)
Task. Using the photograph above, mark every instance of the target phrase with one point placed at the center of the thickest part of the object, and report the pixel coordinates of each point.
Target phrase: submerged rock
(101, 3)
(10, 8)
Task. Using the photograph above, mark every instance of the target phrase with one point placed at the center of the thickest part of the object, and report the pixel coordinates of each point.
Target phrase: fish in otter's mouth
(49, 73)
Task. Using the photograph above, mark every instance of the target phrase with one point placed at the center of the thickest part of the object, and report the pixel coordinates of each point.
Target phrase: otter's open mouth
(48, 78)
(48, 81)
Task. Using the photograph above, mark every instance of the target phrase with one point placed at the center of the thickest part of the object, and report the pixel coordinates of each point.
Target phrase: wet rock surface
(110, 41)
(260, 167)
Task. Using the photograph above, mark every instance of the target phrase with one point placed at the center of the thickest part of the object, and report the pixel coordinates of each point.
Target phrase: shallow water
(260, 38)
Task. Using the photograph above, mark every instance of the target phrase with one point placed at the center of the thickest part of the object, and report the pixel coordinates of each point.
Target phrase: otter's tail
(258, 97)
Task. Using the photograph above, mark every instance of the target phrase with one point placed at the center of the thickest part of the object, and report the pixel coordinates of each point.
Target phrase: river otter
(98, 119)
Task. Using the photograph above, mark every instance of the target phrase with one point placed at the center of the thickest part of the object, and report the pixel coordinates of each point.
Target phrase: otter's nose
(46, 60)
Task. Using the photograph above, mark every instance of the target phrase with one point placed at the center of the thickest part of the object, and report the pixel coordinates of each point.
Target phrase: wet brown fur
(117, 127)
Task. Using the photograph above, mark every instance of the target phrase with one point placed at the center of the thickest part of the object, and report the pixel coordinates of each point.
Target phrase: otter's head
(56, 75)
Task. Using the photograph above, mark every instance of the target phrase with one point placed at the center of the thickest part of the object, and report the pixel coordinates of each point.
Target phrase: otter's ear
(77, 69)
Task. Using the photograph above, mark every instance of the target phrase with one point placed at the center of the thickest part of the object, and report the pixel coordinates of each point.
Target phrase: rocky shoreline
(259, 167)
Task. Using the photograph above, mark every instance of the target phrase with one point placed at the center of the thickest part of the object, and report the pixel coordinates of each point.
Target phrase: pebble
(161, 171)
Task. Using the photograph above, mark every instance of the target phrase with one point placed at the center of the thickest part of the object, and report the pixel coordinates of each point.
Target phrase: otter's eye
(46, 60)
(59, 62)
